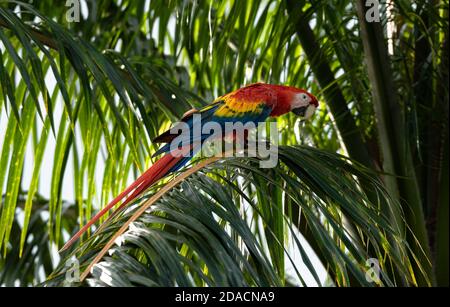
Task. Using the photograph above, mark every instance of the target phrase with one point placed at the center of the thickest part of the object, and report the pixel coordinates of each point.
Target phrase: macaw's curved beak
(300, 111)
(306, 111)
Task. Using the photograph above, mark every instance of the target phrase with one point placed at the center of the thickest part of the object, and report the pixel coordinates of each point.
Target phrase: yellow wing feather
(238, 107)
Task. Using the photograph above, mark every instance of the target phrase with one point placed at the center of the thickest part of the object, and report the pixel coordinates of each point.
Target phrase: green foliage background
(129, 68)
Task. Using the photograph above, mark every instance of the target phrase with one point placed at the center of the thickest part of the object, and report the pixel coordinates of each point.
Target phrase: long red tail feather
(153, 174)
(144, 185)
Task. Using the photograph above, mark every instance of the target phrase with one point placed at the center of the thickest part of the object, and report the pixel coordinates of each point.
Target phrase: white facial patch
(300, 100)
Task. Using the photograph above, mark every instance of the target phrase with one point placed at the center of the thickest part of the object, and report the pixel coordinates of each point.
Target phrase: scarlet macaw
(252, 103)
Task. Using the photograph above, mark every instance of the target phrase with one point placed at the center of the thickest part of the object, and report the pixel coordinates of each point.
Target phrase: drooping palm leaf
(197, 235)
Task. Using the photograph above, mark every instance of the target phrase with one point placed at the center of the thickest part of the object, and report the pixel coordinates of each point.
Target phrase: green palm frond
(80, 103)
(78, 71)
(203, 232)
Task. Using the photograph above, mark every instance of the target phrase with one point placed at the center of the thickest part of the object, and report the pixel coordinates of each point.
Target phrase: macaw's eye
(304, 97)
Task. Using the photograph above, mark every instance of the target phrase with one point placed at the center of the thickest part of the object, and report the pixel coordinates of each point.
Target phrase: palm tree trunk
(394, 144)
(442, 256)
(346, 125)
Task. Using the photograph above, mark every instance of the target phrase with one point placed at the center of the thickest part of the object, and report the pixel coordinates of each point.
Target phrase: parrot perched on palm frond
(253, 103)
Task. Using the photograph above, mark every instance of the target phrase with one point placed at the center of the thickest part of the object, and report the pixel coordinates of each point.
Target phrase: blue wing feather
(210, 116)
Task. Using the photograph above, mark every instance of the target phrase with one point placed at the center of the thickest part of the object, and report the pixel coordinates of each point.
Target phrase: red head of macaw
(270, 100)
(252, 103)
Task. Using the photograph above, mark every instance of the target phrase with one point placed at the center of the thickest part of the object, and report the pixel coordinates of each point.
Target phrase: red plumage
(278, 97)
